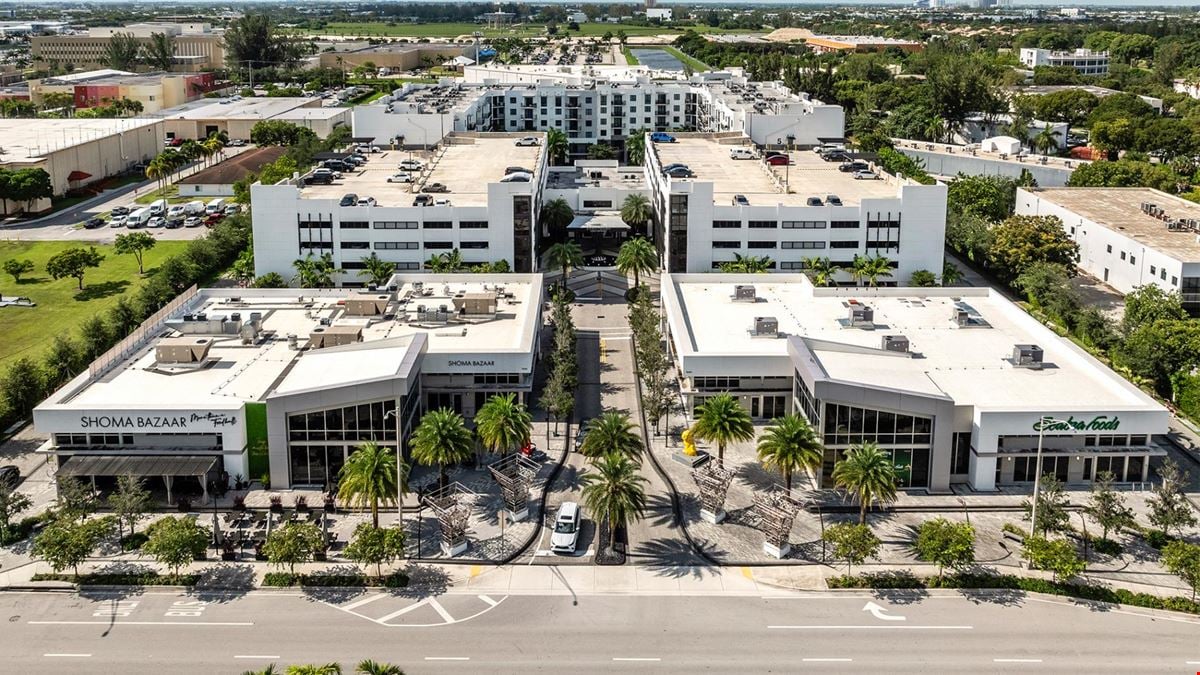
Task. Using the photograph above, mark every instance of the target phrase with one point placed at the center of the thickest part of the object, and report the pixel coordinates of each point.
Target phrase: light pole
(1037, 471)
(399, 463)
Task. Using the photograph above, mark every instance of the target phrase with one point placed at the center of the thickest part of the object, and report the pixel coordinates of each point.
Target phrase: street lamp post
(1037, 472)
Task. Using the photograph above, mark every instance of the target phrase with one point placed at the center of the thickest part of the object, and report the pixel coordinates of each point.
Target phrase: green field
(441, 30)
(60, 305)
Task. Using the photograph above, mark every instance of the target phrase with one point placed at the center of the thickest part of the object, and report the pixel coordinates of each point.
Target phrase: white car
(742, 153)
(232, 209)
(402, 177)
(237, 142)
(116, 221)
(366, 201)
(566, 529)
(526, 141)
(156, 221)
(865, 175)
(192, 221)
(411, 165)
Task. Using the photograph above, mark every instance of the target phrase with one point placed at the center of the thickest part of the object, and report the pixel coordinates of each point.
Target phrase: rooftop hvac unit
(961, 317)
(895, 343)
(249, 333)
(765, 326)
(744, 293)
(1027, 356)
(256, 320)
(182, 350)
(862, 316)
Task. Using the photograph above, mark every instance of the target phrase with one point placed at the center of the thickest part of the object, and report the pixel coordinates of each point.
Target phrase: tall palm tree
(722, 420)
(369, 667)
(789, 445)
(436, 263)
(556, 215)
(867, 473)
(637, 256)
(454, 261)
(564, 256)
(502, 424)
(870, 269)
(440, 439)
(635, 147)
(635, 210)
(615, 492)
(612, 433)
(556, 146)
(370, 476)
(820, 270)
(1046, 141)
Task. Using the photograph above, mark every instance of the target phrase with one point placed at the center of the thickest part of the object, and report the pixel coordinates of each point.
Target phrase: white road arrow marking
(880, 612)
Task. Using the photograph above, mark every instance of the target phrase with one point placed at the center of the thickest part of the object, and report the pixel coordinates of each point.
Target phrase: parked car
(402, 177)
(232, 209)
(662, 137)
(320, 178)
(435, 187)
(674, 165)
(526, 141)
(679, 172)
(566, 529)
(213, 219)
(779, 160)
(364, 148)
(854, 166)
(173, 223)
(516, 169)
(355, 161)
(237, 143)
(10, 475)
(117, 221)
(814, 201)
(865, 175)
(193, 221)
(156, 221)
(412, 165)
(423, 200)
(740, 200)
(93, 222)
(833, 200)
(348, 200)
(743, 153)
(836, 156)
(120, 211)
(366, 201)
(519, 177)
(335, 165)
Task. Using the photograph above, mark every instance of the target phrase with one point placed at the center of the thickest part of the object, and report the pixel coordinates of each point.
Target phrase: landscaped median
(290, 579)
(1083, 591)
(146, 578)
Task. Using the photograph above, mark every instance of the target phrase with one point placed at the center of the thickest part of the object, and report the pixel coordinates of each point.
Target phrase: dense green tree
(1106, 506)
(556, 215)
(503, 424)
(175, 542)
(254, 41)
(1057, 556)
(376, 270)
(73, 262)
(293, 543)
(1183, 560)
(1020, 241)
(121, 51)
(945, 544)
(1125, 173)
(557, 146)
(990, 197)
(135, 244)
(129, 502)
(17, 268)
(1147, 304)
(1052, 502)
(373, 545)
(12, 503)
(1169, 506)
(67, 543)
(1069, 106)
(852, 542)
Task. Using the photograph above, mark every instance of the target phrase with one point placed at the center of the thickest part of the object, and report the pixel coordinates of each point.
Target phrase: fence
(143, 332)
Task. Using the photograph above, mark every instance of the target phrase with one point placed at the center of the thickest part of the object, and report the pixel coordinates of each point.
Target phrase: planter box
(451, 551)
(777, 553)
(713, 518)
(692, 461)
(516, 516)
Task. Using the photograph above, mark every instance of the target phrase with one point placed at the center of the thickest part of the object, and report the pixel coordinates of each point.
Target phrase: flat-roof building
(300, 376)
(824, 44)
(236, 116)
(951, 382)
(154, 91)
(808, 208)
(946, 161)
(197, 47)
(486, 219)
(1128, 237)
(1084, 61)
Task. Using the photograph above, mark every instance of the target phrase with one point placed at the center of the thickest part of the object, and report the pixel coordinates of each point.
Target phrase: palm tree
(370, 475)
(750, 264)
(820, 270)
(563, 256)
(454, 261)
(635, 147)
(502, 424)
(556, 146)
(1046, 141)
(722, 420)
(637, 256)
(269, 670)
(612, 433)
(314, 272)
(635, 210)
(614, 492)
(376, 270)
(867, 473)
(556, 215)
(369, 667)
(157, 170)
(936, 128)
(436, 263)
(870, 269)
(789, 445)
(313, 669)
(441, 438)
(950, 273)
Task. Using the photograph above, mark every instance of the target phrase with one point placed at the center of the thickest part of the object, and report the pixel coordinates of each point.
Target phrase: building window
(844, 225)
(1153, 270)
(960, 460)
(763, 224)
(727, 224)
(408, 266)
(317, 244)
(792, 265)
(473, 225)
(397, 245)
(439, 244)
(355, 244)
(1108, 248)
(473, 244)
(1174, 281)
(1122, 255)
(438, 225)
(843, 244)
(1162, 274)
(727, 244)
(1132, 259)
(353, 225)
(597, 203)
(395, 225)
(760, 244)
(804, 224)
(803, 244)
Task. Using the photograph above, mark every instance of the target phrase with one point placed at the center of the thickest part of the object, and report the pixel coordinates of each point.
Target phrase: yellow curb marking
(476, 570)
(748, 573)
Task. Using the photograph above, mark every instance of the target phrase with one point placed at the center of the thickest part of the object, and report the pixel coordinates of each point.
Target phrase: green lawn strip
(169, 193)
(61, 307)
(630, 59)
(695, 64)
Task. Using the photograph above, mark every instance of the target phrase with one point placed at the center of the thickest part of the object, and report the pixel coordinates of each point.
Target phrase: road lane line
(636, 658)
(447, 658)
(73, 656)
(488, 600)
(141, 623)
(826, 660)
(366, 600)
(256, 656)
(1016, 660)
(437, 607)
(881, 627)
(401, 612)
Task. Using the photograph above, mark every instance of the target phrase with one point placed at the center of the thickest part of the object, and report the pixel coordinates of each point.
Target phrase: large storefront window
(809, 405)
(319, 441)
(906, 439)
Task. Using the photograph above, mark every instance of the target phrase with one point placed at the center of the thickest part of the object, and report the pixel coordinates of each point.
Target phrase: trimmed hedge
(289, 579)
(129, 579)
(21, 530)
(1012, 582)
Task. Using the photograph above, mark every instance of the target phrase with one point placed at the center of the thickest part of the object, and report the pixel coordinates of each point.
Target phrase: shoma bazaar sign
(1097, 423)
(156, 421)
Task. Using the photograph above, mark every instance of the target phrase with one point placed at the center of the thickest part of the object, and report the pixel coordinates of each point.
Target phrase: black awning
(832, 139)
(121, 465)
(362, 139)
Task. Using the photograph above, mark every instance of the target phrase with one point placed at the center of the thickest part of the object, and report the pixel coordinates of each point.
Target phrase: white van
(158, 207)
(743, 153)
(215, 206)
(194, 208)
(176, 212)
(138, 218)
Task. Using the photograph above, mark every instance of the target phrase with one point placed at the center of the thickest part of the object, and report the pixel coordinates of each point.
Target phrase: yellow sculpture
(689, 446)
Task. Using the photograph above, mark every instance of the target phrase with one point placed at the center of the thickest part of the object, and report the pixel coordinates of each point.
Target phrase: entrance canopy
(116, 465)
(600, 220)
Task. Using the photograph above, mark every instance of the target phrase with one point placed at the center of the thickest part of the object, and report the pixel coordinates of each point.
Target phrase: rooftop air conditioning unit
(895, 343)
(1027, 356)
(862, 316)
(765, 326)
(744, 293)
(961, 317)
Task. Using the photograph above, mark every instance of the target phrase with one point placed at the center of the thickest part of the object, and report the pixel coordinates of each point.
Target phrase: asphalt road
(159, 632)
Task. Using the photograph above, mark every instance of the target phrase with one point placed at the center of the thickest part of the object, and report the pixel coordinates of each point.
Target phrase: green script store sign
(1097, 423)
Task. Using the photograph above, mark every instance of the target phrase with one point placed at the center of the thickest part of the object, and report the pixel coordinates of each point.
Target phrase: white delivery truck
(216, 206)
(138, 218)
(158, 207)
(194, 208)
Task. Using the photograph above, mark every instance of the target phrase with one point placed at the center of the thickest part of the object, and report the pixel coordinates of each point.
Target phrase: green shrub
(23, 528)
(287, 579)
(1156, 538)
(1106, 547)
(149, 578)
(133, 542)
(1013, 528)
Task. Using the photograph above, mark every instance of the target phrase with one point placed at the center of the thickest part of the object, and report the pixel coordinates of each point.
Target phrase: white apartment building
(1128, 237)
(803, 210)
(485, 219)
(600, 107)
(1086, 61)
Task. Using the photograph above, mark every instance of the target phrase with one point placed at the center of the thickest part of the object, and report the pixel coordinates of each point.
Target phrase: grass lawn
(169, 193)
(630, 59)
(696, 64)
(60, 305)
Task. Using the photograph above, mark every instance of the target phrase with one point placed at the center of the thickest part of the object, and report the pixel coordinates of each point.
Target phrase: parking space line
(1016, 660)
(72, 656)
(366, 600)
(141, 623)
(826, 660)
(636, 658)
(873, 627)
(401, 612)
(488, 600)
(256, 656)
(447, 658)
(437, 607)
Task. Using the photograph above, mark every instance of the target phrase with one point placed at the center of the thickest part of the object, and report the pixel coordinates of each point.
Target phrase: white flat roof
(246, 108)
(235, 373)
(28, 139)
(969, 365)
